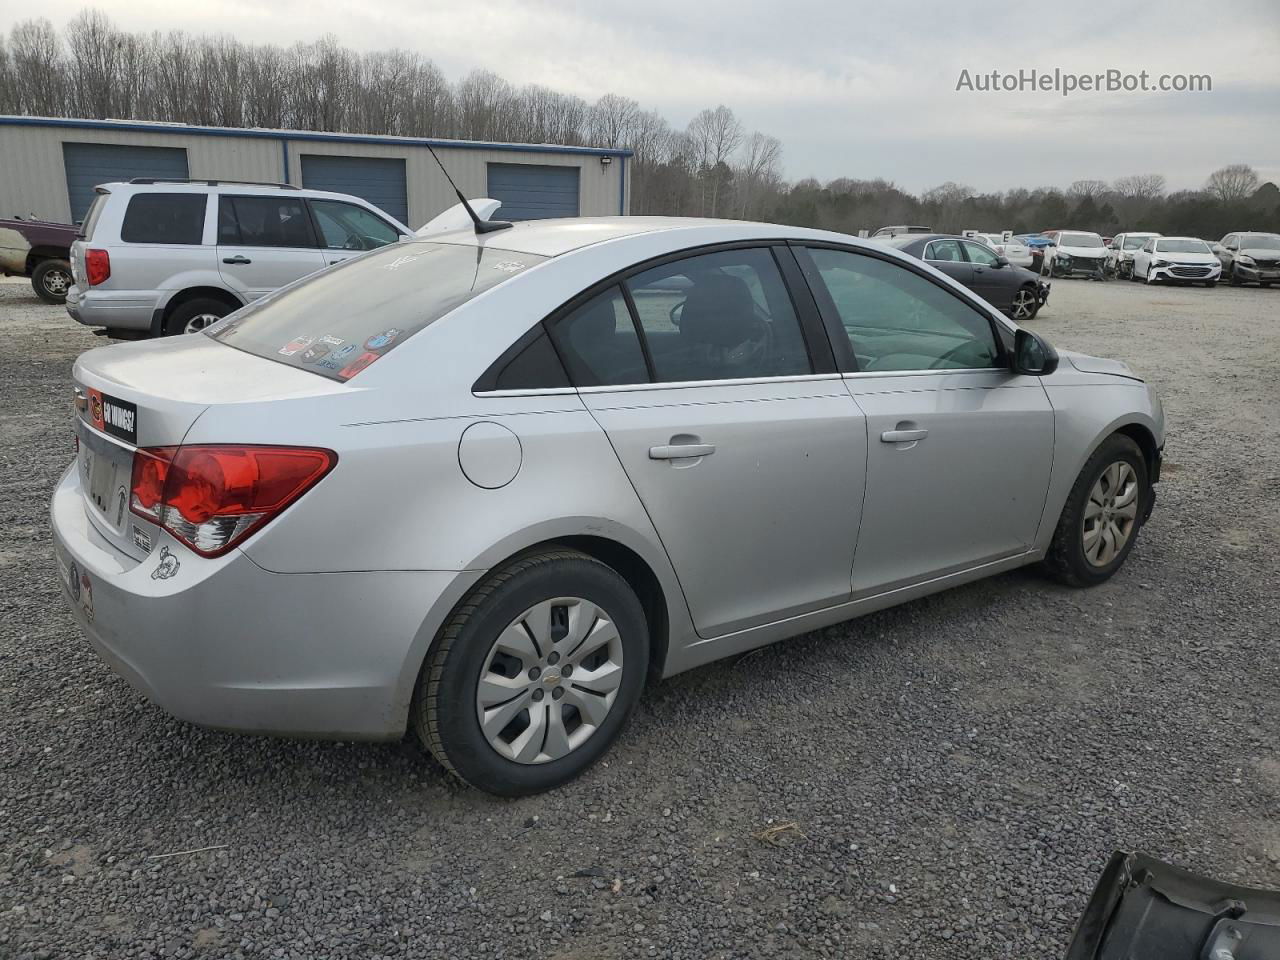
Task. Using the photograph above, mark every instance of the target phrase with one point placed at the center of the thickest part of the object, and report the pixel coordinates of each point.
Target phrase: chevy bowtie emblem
(551, 679)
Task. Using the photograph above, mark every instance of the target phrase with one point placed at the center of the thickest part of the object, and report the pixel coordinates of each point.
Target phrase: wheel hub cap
(549, 680)
(1110, 514)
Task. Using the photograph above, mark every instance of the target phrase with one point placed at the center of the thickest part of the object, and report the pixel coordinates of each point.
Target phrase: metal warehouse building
(49, 167)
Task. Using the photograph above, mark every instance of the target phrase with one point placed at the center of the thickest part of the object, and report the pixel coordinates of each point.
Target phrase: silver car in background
(483, 486)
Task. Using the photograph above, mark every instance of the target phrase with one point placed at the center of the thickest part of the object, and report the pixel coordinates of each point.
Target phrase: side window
(945, 250)
(897, 320)
(344, 226)
(981, 255)
(599, 344)
(164, 218)
(263, 222)
(1149, 247)
(536, 367)
(719, 316)
(1229, 241)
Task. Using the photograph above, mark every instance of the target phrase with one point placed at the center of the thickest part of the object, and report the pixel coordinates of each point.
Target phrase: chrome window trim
(527, 392)
(928, 371)
(686, 384)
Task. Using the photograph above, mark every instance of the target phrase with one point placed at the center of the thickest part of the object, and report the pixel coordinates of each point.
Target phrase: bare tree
(612, 118)
(39, 68)
(1232, 183)
(714, 136)
(1087, 189)
(1141, 186)
(758, 169)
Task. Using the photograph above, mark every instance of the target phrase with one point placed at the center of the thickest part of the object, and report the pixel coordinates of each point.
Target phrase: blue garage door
(380, 180)
(533, 192)
(89, 164)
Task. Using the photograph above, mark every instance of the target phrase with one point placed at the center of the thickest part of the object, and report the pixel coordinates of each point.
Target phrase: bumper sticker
(360, 362)
(167, 567)
(109, 415)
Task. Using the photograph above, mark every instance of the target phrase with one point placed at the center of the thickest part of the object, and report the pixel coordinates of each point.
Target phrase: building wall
(33, 176)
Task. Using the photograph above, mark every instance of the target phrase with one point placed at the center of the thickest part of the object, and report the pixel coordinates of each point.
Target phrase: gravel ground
(959, 767)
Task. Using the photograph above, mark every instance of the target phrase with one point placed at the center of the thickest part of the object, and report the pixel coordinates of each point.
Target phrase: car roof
(551, 238)
(1159, 237)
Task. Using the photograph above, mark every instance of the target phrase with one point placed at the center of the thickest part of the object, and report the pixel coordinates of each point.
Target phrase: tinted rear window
(345, 318)
(164, 218)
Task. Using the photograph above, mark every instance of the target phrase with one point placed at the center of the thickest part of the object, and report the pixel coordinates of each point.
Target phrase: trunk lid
(149, 394)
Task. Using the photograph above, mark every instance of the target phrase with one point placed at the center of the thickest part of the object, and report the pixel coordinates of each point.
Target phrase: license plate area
(106, 468)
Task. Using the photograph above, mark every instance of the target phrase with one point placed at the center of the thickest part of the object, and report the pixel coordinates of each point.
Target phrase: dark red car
(40, 250)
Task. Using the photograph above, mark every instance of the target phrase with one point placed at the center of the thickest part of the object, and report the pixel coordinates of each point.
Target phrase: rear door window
(264, 222)
(164, 218)
(599, 343)
(339, 321)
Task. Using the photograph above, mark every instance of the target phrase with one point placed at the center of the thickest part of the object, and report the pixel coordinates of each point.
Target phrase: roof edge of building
(164, 127)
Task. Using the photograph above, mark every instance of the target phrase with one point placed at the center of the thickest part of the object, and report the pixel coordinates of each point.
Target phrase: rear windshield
(1080, 240)
(343, 319)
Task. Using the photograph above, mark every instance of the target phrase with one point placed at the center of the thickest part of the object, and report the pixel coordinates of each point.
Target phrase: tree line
(713, 167)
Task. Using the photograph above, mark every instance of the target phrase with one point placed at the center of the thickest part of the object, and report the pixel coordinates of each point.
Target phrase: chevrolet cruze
(484, 485)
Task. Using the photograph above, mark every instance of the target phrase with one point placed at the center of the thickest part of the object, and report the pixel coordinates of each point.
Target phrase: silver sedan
(484, 485)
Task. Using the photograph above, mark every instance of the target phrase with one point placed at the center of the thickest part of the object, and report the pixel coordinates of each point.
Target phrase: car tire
(1233, 277)
(51, 279)
(194, 315)
(1151, 281)
(1074, 556)
(1025, 304)
(470, 656)
(1264, 283)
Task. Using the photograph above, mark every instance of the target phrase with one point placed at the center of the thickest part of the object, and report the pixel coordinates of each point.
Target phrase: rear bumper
(129, 310)
(227, 644)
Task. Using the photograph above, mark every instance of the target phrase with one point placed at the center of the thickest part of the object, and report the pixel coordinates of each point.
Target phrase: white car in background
(1120, 255)
(1187, 259)
(1076, 253)
(1013, 249)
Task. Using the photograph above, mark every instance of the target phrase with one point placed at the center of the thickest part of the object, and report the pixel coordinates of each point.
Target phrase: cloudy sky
(860, 89)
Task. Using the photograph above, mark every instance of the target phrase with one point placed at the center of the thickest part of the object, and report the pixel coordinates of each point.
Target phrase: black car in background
(1014, 290)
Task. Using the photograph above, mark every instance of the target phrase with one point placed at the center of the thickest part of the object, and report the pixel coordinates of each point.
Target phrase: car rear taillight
(97, 266)
(213, 497)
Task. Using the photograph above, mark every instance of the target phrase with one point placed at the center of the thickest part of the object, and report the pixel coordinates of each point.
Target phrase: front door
(265, 242)
(959, 447)
(946, 255)
(750, 466)
(991, 281)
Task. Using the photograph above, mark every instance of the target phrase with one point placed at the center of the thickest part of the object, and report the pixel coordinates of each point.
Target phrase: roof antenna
(482, 226)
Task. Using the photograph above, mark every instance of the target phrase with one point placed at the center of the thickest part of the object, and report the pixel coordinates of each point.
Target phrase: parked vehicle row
(483, 485)
(162, 257)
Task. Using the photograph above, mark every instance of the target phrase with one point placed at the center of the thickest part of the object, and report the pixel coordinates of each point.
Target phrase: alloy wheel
(1024, 302)
(550, 680)
(1110, 514)
(199, 322)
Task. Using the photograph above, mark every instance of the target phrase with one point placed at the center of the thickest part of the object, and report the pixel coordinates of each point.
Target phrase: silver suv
(160, 257)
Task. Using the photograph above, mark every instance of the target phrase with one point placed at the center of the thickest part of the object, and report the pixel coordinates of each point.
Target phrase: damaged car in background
(1076, 253)
(41, 250)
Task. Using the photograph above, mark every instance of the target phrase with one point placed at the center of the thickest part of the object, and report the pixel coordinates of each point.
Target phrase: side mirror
(1002, 261)
(1216, 247)
(1033, 356)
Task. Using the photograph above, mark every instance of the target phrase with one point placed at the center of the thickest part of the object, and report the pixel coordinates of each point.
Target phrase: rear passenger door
(719, 395)
(265, 242)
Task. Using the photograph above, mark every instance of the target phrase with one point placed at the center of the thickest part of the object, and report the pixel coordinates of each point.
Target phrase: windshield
(1080, 240)
(1132, 242)
(1260, 241)
(1179, 245)
(340, 320)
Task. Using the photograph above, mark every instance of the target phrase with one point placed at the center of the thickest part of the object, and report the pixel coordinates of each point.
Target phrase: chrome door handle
(903, 436)
(681, 451)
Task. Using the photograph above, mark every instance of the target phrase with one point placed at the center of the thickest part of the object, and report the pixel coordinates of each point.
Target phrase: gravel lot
(960, 767)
